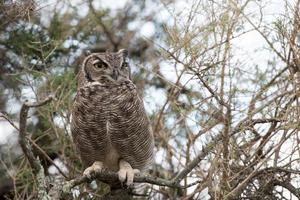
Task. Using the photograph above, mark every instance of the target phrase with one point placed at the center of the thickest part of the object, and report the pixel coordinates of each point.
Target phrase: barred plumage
(109, 122)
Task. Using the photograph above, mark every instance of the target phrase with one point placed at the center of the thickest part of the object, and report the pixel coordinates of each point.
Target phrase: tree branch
(38, 170)
(295, 191)
(61, 191)
(204, 152)
(24, 143)
(106, 30)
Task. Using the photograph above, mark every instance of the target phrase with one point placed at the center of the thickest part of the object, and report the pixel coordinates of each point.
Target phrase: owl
(109, 125)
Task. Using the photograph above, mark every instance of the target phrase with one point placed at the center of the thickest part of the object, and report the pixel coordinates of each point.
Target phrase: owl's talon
(122, 175)
(126, 172)
(94, 168)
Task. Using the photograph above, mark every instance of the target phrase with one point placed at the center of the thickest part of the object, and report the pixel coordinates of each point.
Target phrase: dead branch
(38, 170)
(24, 142)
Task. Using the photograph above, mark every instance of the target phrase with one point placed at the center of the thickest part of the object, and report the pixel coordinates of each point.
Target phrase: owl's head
(106, 67)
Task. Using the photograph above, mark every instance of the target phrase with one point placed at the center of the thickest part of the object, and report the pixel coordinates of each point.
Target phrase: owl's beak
(115, 74)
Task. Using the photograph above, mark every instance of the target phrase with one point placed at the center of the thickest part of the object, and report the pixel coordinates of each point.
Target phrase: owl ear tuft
(124, 52)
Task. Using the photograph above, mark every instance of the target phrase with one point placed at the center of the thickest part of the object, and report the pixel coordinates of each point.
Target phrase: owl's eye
(99, 64)
(124, 65)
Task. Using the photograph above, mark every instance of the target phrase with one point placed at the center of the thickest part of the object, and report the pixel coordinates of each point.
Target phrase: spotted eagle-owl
(109, 126)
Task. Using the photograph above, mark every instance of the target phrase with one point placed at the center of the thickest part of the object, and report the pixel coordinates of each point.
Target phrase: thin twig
(46, 156)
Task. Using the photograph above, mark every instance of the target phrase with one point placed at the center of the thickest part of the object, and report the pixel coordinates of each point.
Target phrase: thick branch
(26, 147)
(24, 143)
(63, 190)
(108, 175)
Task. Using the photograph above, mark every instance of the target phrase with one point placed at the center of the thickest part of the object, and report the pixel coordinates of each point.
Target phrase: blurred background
(219, 78)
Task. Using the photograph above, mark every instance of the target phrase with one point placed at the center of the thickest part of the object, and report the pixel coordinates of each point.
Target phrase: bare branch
(24, 143)
(61, 191)
(27, 149)
(204, 152)
(295, 191)
(46, 156)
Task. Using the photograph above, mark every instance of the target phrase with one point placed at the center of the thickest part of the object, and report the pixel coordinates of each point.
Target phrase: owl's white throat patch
(107, 127)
